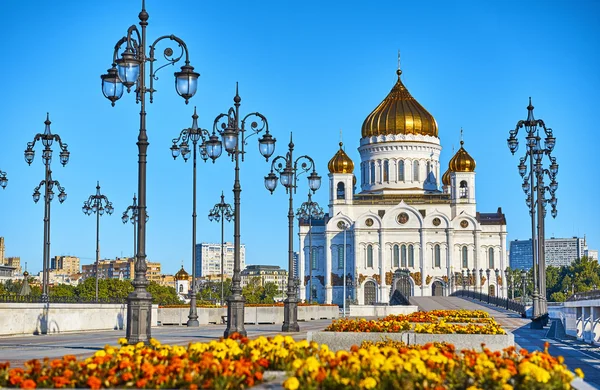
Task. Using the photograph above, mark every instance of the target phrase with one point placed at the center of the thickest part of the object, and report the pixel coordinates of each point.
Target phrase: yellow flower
(122, 341)
(92, 366)
(312, 364)
(291, 383)
(297, 364)
(578, 372)
(100, 353)
(368, 383)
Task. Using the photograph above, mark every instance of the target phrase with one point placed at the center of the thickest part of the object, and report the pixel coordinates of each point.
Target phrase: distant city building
(61, 277)
(266, 273)
(592, 254)
(563, 251)
(2, 249)
(7, 272)
(559, 252)
(66, 264)
(14, 262)
(121, 268)
(520, 254)
(208, 259)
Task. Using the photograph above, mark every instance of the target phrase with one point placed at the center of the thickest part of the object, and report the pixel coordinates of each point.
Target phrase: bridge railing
(508, 304)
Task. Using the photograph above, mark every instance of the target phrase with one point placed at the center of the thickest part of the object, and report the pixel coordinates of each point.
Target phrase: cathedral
(401, 218)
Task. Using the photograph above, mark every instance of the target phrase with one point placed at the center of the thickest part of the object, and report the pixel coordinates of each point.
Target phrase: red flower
(28, 384)
(94, 382)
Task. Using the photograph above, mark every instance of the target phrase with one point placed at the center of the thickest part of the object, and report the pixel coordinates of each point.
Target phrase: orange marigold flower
(258, 375)
(94, 382)
(67, 373)
(193, 386)
(263, 362)
(140, 383)
(28, 384)
(127, 376)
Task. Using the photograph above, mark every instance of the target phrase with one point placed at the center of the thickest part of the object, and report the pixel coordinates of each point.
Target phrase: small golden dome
(446, 178)
(462, 161)
(341, 163)
(25, 273)
(182, 275)
(399, 113)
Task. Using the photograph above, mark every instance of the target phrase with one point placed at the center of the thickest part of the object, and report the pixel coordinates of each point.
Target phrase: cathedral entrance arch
(370, 293)
(437, 289)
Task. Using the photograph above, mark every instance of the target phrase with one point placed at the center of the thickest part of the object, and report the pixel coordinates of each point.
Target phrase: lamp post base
(290, 315)
(235, 316)
(193, 316)
(139, 317)
(537, 323)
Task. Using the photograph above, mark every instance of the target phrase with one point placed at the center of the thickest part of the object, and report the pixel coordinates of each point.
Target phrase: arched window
(428, 168)
(181, 288)
(314, 292)
(372, 172)
(370, 256)
(401, 170)
(396, 256)
(465, 257)
(491, 258)
(363, 170)
(340, 257)
(437, 256)
(464, 189)
(386, 171)
(415, 170)
(411, 256)
(341, 190)
(314, 258)
(403, 255)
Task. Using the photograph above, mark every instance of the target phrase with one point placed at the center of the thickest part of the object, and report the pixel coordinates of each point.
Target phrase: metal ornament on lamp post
(233, 134)
(134, 219)
(193, 135)
(129, 70)
(310, 210)
(535, 191)
(97, 204)
(288, 168)
(220, 212)
(480, 277)
(47, 139)
(487, 272)
(3, 179)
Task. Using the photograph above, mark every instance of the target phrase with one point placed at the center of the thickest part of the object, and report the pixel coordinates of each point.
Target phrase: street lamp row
(288, 170)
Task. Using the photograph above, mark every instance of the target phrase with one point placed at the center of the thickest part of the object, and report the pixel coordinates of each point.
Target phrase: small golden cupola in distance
(461, 161)
(341, 163)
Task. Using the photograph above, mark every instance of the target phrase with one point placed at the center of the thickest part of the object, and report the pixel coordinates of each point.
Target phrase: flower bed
(239, 363)
(437, 321)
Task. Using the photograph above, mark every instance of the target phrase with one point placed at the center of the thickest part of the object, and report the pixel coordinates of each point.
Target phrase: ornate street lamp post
(497, 271)
(524, 285)
(480, 284)
(193, 135)
(3, 179)
(233, 133)
(343, 226)
(311, 210)
(134, 219)
(487, 272)
(462, 279)
(220, 212)
(288, 168)
(535, 189)
(129, 70)
(97, 204)
(47, 139)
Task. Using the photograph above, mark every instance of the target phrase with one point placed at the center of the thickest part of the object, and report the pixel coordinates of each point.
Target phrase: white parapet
(48, 318)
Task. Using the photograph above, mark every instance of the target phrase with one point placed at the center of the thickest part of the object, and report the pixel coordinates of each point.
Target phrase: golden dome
(462, 161)
(341, 163)
(182, 275)
(446, 178)
(399, 113)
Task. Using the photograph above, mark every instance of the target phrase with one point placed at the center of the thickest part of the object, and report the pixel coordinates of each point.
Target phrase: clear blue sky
(310, 67)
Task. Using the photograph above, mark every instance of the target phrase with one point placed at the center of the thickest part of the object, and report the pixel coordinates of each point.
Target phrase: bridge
(576, 352)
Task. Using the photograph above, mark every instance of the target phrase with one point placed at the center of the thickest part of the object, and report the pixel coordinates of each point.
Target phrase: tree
(270, 291)
(63, 291)
(163, 295)
(253, 290)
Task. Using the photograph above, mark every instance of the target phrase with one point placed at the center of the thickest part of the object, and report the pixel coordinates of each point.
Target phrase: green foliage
(63, 291)
(558, 297)
(211, 291)
(163, 295)
(255, 293)
(107, 289)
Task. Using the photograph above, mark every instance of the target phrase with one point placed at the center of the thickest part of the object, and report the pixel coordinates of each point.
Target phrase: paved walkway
(576, 353)
(19, 349)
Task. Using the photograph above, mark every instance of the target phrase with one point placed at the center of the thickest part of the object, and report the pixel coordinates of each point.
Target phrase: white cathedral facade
(401, 216)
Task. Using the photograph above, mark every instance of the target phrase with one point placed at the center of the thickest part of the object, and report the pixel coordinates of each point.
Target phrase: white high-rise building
(208, 259)
(563, 251)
